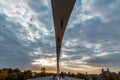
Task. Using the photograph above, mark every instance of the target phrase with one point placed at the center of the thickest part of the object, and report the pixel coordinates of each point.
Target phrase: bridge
(49, 78)
(61, 10)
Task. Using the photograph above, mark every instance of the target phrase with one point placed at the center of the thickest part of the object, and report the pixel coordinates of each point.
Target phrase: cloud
(90, 41)
(21, 37)
(96, 34)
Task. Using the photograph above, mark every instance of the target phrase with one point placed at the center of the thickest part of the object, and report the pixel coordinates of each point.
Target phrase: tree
(3, 74)
(43, 71)
(12, 76)
(109, 77)
(16, 70)
(10, 70)
(81, 76)
(28, 74)
(20, 76)
(94, 77)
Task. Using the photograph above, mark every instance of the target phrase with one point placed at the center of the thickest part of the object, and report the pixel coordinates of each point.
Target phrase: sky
(91, 40)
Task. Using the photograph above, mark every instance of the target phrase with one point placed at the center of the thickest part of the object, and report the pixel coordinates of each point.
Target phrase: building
(106, 74)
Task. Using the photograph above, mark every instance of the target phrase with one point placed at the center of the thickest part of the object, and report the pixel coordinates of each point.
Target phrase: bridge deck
(49, 78)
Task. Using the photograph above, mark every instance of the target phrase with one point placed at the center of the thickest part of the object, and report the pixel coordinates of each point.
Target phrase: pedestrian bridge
(49, 78)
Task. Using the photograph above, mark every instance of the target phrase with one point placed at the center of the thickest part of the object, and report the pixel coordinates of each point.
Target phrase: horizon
(54, 71)
(91, 41)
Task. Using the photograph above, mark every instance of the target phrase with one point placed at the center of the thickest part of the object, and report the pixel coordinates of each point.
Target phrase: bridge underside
(61, 12)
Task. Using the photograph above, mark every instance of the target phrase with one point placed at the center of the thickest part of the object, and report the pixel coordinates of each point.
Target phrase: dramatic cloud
(91, 40)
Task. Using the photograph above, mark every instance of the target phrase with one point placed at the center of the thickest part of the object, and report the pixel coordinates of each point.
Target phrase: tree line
(16, 74)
